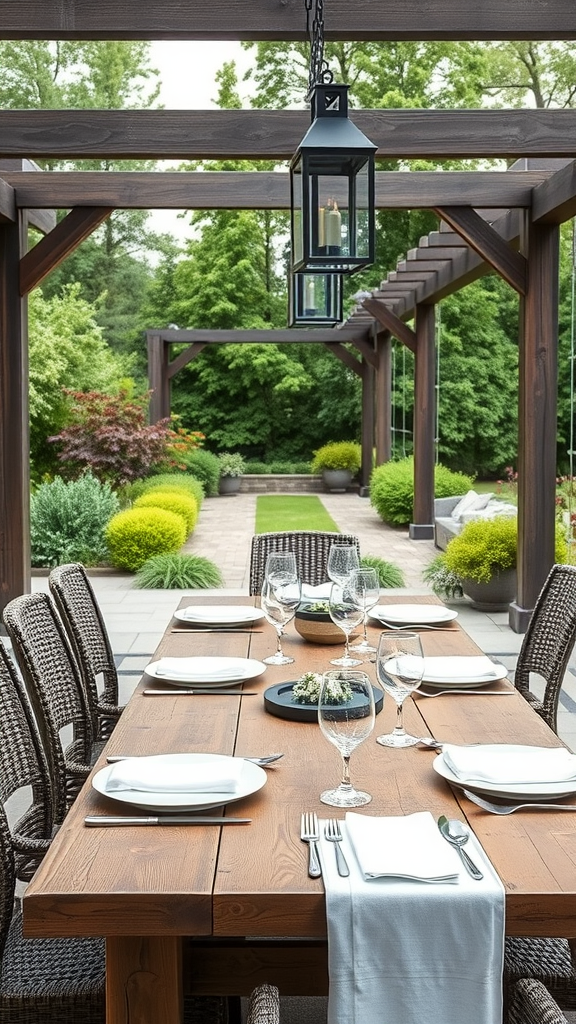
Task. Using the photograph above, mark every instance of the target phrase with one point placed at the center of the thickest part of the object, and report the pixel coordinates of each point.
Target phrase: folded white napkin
(404, 847)
(319, 593)
(402, 950)
(198, 669)
(453, 669)
(150, 775)
(217, 613)
(508, 764)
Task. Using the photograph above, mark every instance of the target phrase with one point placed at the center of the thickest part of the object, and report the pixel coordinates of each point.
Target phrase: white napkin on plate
(402, 950)
(217, 613)
(198, 669)
(408, 847)
(319, 593)
(152, 776)
(460, 668)
(509, 764)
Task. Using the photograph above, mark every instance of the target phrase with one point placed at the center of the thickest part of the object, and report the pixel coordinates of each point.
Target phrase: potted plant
(232, 466)
(338, 462)
(312, 621)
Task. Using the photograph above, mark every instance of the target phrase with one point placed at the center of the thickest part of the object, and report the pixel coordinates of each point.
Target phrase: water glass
(366, 585)
(399, 668)
(347, 612)
(342, 559)
(346, 717)
(281, 595)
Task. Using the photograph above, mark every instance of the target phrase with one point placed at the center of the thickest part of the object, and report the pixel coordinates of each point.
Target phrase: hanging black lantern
(332, 190)
(315, 300)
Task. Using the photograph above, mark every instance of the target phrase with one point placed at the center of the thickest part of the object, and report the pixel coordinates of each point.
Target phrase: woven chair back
(311, 548)
(549, 641)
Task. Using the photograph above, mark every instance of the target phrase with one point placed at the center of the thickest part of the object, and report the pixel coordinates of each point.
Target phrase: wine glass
(346, 724)
(346, 611)
(280, 562)
(366, 585)
(399, 667)
(342, 559)
(281, 594)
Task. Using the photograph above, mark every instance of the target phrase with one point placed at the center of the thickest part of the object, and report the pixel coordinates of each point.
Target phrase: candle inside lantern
(321, 227)
(310, 295)
(333, 224)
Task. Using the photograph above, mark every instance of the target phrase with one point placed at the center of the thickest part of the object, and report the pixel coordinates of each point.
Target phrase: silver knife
(214, 691)
(163, 819)
(200, 629)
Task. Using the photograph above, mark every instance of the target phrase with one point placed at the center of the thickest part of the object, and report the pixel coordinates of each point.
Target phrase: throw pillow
(464, 505)
(481, 501)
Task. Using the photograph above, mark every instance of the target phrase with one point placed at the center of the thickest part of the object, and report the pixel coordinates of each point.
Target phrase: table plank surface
(133, 883)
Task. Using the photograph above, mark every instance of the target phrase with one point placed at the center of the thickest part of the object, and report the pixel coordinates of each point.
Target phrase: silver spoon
(455, 833)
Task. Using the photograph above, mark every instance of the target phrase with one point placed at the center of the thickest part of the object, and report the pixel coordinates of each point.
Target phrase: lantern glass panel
(316, 300)
(297, 213)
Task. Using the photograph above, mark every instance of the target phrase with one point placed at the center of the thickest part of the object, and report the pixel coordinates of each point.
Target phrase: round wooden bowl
(317, 627)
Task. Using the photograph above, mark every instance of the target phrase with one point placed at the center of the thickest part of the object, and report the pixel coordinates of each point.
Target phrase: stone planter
(494, 596)
(229, 484)
(336, 479)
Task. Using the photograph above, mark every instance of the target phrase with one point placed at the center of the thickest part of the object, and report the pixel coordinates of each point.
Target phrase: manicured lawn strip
(275, 512)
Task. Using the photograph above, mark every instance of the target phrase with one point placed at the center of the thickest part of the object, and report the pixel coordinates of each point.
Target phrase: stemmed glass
(365, 583)
(280, 562)
(342, 559)
(346, 724)
(346, 611)
(281, 594)
(400, 668)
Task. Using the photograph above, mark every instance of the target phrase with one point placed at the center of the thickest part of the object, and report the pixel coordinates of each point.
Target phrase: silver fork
(333, 834)
(310, 833)
(510, 808)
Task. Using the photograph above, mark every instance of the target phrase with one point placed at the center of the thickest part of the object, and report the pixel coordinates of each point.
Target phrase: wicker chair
(24, 772)
(53, 681)
(264, 1006)
(548, 641)
(533, 1004)
(83, 622)
(311, 548)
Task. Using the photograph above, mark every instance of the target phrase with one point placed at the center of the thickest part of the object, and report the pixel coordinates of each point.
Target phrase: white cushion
(481, 501)
(492, 511)
(464, 505)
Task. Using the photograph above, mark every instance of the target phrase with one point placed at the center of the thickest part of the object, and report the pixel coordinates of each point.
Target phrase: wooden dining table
(219, 909)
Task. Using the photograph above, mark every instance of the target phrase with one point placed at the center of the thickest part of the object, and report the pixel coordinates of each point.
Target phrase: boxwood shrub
(137, 534)
(174, 501)
(169, 481)
(205, 467)
(392, 489)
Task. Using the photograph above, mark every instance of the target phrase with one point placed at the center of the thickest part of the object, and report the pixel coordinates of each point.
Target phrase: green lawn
(275, 512)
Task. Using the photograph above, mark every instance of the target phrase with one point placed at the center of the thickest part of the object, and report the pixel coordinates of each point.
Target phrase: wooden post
(422, 528)
(14, 419)
(537, 391)
(158, 381)
(383, 432)
(368, 376)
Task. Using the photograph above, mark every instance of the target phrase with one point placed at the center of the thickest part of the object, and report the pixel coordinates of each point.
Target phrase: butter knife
(162, 819)
(214, 691)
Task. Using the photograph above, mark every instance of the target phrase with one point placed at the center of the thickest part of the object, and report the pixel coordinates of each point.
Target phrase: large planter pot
(336, 479)
(229, 484)
(494, 596)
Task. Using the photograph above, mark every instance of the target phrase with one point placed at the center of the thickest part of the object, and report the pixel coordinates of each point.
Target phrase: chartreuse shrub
(389, 575)
(182, 572)
(174, 501)
(67, 521)
(137, 534)
(205, 467)
(488, 546)
(338, 455)
(392, 489)
(170, 481)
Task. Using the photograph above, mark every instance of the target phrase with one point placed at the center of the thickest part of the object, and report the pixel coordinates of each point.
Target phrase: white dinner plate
(463, 680)
(218, 615)
(252, 779)
(208, 671)
(408, 614)
(519, 791)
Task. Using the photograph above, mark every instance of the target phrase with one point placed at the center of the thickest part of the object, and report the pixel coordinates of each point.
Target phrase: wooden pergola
(503, 221)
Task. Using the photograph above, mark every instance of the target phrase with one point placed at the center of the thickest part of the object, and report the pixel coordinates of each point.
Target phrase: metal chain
(319, 71)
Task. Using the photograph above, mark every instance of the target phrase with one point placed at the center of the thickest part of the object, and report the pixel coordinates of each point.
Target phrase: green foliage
(137, 534)
(67, 521)
(484, 548)
(231, 464)
(206, 468)
(338, 455)
(179, 502)
(392, 489)
(275, 512)
(170, 481)
(178, 572)
(389, 575)
(445, 583)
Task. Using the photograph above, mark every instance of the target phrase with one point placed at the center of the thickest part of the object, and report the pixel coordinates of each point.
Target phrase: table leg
(143, 980)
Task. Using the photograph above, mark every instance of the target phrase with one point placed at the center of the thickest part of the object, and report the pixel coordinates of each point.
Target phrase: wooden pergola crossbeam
(280, 20)
(481, 237)
(261, 190)
(275, 134)
(557, 202)
(391, 322)
(49, 252)
(8, 208)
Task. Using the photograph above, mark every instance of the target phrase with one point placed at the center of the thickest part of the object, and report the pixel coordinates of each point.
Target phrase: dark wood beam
(282, 20)
(422, 525)
(275, 134)
(391, 322)
(55, 247)
(383, 399)
(367, 351)
(331, 335)
(8, 210)
(481, 237)
(346, 357)
(258, 190)
(177, 364)
(556, 202)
